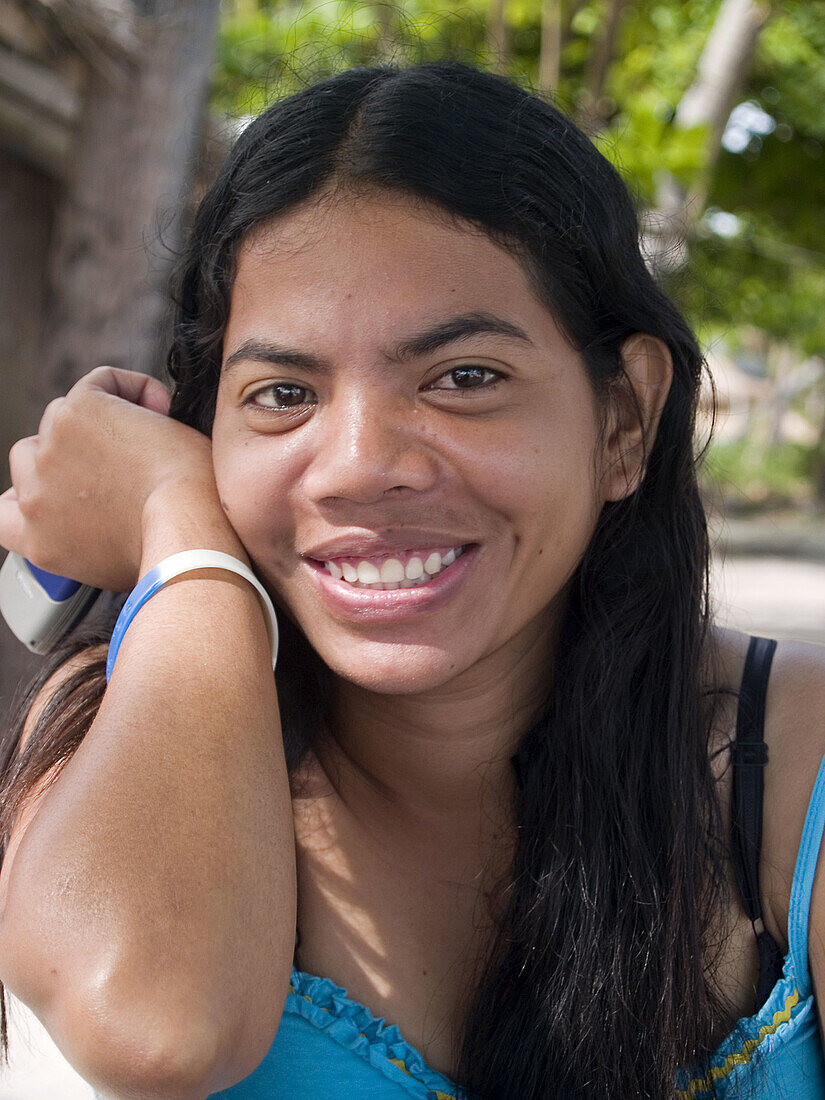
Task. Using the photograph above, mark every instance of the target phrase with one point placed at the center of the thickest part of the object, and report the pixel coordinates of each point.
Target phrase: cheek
(254, 494)
(543, 472)
(548, 494)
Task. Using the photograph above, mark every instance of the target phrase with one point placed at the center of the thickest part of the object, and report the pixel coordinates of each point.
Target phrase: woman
(425, 385)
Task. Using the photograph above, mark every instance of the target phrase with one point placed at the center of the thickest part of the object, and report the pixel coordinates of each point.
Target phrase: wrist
(189, 564)
(185, 515)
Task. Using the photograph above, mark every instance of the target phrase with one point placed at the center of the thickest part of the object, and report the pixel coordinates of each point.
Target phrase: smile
(439, 574)
(405, 570)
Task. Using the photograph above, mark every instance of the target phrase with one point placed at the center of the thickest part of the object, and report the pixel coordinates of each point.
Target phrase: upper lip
(366, 544)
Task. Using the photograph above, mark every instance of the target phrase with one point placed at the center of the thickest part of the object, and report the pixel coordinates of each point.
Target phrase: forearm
(158, 873)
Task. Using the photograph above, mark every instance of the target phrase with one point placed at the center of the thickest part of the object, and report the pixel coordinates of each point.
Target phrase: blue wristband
(186, 562)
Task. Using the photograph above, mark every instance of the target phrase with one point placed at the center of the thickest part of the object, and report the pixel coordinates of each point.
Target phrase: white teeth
(433, 564)
(367, 573)
(392, 571)
(414, 569)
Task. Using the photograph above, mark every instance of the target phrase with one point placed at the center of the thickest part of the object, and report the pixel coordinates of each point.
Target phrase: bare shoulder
(795, 736)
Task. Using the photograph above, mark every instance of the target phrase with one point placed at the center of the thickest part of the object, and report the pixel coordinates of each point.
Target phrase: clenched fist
(80, 486)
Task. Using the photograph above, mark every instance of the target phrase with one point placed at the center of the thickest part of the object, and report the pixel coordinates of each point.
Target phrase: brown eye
(281, 395)
(468, 378)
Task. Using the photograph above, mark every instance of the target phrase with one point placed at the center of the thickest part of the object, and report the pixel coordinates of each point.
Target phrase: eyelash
(485, 387)
(497, 377)
(250, 401)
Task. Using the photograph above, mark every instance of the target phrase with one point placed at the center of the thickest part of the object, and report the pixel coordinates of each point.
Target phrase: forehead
(377, 260)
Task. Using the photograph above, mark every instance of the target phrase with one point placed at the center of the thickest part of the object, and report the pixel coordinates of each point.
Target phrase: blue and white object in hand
(40, 607)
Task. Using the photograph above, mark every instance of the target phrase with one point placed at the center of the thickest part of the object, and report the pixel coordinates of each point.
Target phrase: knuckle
(19, 444)
(91, 380)
(54, 412)
(18, 450)
(76, 407)
(30, 502)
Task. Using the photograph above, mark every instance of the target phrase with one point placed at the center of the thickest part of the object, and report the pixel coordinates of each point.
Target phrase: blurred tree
(385, 17)
(705, 106)
(550, 48)
(118, 224)
(758, 255)
(100, 113)
(497, 37)
(601, 56)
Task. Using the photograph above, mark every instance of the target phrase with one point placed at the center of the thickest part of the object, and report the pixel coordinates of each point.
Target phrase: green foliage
(770, 272)
(789, 66)
(757, 279)
(267, 52)
(659, 46)
(745, 474)
(640, 142)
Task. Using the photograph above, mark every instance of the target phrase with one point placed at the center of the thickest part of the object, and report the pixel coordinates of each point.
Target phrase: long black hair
(599, 979)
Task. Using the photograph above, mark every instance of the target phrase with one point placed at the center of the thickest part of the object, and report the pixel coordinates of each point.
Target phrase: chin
(397, 669)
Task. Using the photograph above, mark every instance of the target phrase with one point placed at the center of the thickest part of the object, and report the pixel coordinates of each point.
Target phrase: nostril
(370, 470)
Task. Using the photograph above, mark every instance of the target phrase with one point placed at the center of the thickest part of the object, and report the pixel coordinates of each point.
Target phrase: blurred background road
(769, 576)
(778, 597)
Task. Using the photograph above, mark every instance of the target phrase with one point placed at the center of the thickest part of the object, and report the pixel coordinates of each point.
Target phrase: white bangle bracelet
(186, 562)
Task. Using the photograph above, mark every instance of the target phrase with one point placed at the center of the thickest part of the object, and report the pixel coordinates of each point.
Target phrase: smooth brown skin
(400, 826)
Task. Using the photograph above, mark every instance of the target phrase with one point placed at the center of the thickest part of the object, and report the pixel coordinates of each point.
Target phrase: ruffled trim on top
(753, 1040)
(327, 1006)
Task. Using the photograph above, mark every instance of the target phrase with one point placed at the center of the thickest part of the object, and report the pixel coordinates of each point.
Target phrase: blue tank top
(329, 1047)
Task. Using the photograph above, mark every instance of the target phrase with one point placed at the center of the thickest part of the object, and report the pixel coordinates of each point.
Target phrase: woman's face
(394, 394)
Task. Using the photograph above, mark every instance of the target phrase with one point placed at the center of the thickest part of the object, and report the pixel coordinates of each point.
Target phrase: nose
(365, 449)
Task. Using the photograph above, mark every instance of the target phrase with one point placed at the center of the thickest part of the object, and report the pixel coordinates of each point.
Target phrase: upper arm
(795, 732)
(32, 799)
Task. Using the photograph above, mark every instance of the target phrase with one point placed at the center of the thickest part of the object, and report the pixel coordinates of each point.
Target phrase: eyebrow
(458, 327)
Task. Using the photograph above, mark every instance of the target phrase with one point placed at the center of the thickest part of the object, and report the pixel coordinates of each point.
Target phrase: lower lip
(392, 605)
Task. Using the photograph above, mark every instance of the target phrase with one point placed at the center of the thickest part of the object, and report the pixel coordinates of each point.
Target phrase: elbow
(152, 1051)
(132, 1059)
(138, 1032)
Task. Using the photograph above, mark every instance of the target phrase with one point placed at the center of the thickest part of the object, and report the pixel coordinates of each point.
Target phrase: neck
(439, 761)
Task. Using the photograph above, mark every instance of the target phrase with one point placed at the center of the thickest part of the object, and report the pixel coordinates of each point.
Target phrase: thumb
(155, 396)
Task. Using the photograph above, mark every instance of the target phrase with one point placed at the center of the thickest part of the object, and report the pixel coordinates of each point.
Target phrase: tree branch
(550, 50)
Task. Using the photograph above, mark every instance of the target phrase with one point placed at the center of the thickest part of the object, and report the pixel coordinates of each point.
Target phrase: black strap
(749, 755)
